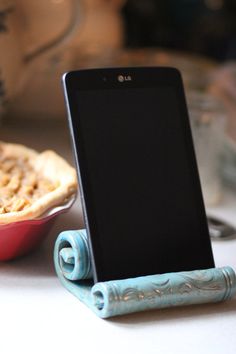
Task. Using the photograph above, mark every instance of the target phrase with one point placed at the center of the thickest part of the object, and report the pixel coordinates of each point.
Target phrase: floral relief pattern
(171, 290)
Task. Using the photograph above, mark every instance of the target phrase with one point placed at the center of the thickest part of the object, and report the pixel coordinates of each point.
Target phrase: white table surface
(37, 315)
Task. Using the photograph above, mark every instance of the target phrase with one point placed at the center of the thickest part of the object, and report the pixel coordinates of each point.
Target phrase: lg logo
(122, 78)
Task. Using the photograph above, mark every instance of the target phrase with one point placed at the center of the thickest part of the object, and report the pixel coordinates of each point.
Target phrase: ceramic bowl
(20, 238)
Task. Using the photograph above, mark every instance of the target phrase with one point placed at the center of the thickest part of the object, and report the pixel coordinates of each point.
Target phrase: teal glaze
(118, 297)
(75, 276)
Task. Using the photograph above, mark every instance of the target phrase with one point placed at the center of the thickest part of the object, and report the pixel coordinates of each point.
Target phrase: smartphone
(137, 171)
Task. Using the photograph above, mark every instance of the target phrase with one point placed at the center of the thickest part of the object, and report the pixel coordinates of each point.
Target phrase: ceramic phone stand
(118, 297)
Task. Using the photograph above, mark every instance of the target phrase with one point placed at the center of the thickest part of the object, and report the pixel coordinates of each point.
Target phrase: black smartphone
(139, 183)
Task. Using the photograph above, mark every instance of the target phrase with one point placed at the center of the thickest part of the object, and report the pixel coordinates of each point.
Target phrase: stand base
(118, 297)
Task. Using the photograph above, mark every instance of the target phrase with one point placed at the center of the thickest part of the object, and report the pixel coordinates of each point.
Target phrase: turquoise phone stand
(118, 297)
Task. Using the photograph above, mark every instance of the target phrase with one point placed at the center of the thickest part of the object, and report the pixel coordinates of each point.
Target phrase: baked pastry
(32, 182)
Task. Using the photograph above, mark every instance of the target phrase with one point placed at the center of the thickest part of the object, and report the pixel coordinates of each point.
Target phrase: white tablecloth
(37, 315)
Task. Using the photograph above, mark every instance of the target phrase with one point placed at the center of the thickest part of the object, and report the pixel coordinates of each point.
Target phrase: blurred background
(39, 40)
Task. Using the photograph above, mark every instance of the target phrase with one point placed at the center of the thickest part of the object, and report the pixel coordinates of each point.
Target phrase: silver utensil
(220, 229)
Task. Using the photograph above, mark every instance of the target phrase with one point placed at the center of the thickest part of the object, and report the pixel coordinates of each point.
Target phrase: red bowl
(19, 238)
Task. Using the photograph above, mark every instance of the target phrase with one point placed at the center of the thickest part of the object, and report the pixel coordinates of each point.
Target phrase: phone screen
(140, 189)
(141, 197)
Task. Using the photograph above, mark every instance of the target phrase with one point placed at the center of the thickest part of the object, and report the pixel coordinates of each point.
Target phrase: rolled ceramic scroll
(118, 297)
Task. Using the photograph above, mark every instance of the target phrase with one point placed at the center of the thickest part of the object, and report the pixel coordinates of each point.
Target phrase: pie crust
(32, 182)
